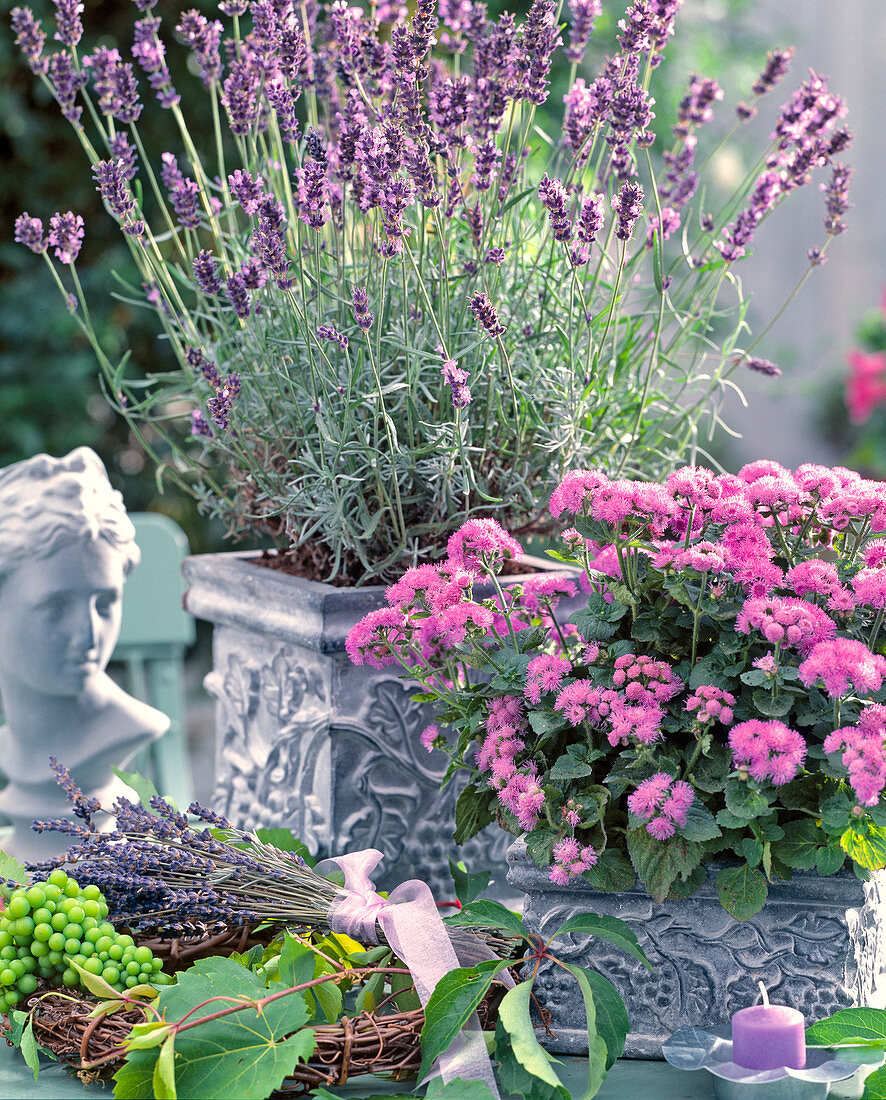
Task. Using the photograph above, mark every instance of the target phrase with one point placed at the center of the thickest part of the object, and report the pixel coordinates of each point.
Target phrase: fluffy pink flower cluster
(543, 674)
(863, 753)
(841, 663)
(768, 750)
(711, 704)
(570, 859)
(583, 701)
(481, 541)
(662, 802)
(786, 621)
(645, 680)
(517, 787)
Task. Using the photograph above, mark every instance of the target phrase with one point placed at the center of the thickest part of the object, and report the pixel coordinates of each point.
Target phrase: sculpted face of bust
(60, 617)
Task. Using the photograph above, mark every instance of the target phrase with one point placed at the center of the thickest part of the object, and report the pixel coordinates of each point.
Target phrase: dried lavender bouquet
(163, 876)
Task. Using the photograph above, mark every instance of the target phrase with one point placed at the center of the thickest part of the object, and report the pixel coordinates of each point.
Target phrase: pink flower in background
(710, 704)
(544, 673)
(481, 540)
(841, 662)
(863, 753)
(866, 384)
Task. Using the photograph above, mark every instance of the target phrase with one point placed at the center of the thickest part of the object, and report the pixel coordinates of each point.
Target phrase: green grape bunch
(49, 928)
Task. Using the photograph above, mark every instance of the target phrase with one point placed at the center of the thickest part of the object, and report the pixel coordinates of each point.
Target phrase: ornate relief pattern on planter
(818, 944)
(307, 741)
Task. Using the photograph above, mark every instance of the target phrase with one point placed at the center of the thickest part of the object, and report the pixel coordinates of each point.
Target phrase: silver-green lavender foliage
(395, 302)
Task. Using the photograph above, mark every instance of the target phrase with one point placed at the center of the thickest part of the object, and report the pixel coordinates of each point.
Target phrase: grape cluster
(50, 925)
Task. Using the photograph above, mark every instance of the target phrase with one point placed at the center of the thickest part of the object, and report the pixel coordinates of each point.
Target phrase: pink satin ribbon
(412, 927)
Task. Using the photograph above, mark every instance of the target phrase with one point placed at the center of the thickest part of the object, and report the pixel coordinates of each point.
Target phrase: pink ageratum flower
(429, 736)
(863, 753)
(786, 620)
(612, 502)
(841, 663)
(452, 625)
(663, 803)
(763, 467)
(769, 750)
(480, 541)
(642, 721)
(875, 554)
(374, 638)
(416, 588)
(644, 679)
(813, 576)
(570, 859)
(583, 700)
(548, 589)
(544, 673)
(571, 494)
(711, 704)
(870, 587)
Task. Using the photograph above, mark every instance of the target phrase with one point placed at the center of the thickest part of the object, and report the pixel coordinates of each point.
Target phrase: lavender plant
(395, 302)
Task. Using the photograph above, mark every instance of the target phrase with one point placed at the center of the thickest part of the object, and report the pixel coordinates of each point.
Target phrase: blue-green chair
(154, 635)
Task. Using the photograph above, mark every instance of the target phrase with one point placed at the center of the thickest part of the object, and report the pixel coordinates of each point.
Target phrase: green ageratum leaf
(802, 840)
(776, 707)
(700, 824)
(659, 863)
(454, 999)
(829, 860)
(513, 1016)
(471, 814)
(244, 1055)
(710, 771)
(12, 870)
(745, 802)
(468, 886)
(612, 871)
(610, 1018)
(742, 891)
(605, 928)
(866, 845)
(752, 850)
(540, 845)
(850, 1027)
(485, 913)
(681, 889)
(567, 767)
(836, 813)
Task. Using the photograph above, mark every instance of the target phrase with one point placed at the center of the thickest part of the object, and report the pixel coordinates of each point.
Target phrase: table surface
(628, 1080)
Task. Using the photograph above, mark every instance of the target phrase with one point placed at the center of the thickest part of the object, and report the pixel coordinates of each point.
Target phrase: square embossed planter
(818, 944)
(307, 741)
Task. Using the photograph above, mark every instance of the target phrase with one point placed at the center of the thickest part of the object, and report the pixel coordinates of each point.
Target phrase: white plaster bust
(66, 548)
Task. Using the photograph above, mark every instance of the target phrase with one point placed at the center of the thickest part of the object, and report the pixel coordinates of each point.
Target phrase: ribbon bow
(412, 927)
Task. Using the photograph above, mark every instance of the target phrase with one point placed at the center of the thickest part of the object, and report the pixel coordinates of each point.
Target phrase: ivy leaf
(513, 1015)
(486, 913)
(471, 814)
(164, 1071)
(612, 871)
(143, 787)
(286, 842)
(468, 886)
(454, 999)
(30, 1050)
(850, 1027)
(605, 928)
(11, 870)
(659, 864)
(610, 1018)
(742, 891)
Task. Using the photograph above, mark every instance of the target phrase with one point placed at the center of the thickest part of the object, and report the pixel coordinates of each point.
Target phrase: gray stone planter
(307, 741)
(818, 944)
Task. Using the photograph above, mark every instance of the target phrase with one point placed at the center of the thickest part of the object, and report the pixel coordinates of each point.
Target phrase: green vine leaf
(513, 1016)
(599, 1049)
(454, 999)
(850, 1027)
(29, 1048)
(11, 870)
(606, 928)
(468, 886)
(164, 1072)
(486, 913)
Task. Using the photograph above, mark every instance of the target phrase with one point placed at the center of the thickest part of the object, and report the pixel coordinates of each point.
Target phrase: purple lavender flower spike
(124, 152)
(627, 205)
(240, 96)
(662, 227)
(555, 200)
(495, 256)
(777, 64)
(254, 276)
(248, 192)
(456, 379)
(29, 232)
(487, 156)
(238, 295)
(541, 37)
(270, 245)
(283, 103)
(474, 218)
(111, 181)
(637, 28)
(762, 366)
(206, 273)
(331, 333)
(68, 22)
(114, 84)
(584, 14)
(233, 8)
(66, 82)
(66, 236)
(207, 368)
(362, 314)
(696, 106)
(150, 53)
(313, 194)
(29, 37)
(837, 199)
(203, 37)
(199, 425)
(486, 314)
(740, 234)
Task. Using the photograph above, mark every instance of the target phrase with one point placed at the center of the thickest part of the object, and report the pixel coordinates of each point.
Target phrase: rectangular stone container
(818, 945)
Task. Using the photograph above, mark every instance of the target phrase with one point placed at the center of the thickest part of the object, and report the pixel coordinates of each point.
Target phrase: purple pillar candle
(768, 1036)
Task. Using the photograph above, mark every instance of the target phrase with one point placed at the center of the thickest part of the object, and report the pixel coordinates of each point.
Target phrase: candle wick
(764, 994)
